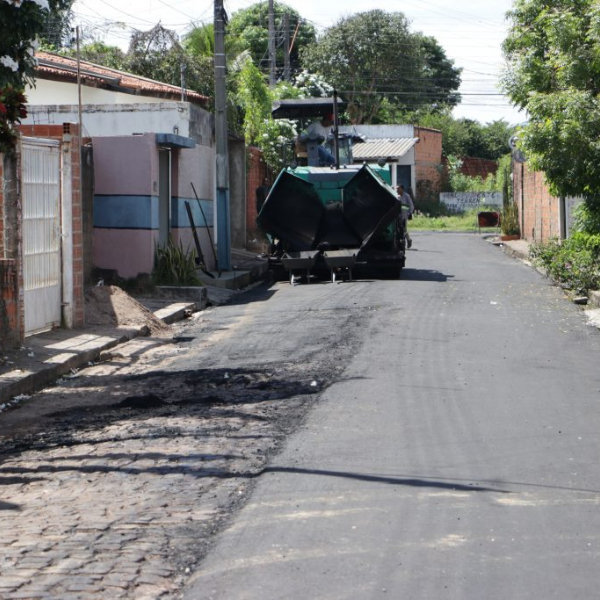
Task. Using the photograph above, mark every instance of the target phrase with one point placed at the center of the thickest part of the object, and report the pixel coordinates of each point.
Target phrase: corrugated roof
(64, 68)
(382, 148)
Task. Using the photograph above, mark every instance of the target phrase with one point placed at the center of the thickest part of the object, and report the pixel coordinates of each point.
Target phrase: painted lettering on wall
(461, 201)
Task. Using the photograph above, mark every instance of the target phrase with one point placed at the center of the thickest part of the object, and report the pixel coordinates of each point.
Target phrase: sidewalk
(520, 249)
(46, 357)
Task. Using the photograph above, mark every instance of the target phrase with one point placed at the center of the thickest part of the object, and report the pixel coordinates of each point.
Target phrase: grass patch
(466, 221)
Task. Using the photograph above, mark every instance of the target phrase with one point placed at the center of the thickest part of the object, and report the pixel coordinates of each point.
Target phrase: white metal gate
(41, 234)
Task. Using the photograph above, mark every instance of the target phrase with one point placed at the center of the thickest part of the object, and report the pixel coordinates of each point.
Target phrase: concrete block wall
(428, 163)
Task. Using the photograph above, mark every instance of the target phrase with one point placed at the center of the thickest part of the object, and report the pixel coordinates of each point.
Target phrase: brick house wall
(539, 211)
(428, 163)
(257, 171)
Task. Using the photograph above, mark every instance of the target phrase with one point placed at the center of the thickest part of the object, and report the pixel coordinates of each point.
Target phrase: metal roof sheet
(382, 148)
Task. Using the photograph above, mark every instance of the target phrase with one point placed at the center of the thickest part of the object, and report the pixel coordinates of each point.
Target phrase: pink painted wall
(126, 165)
(130, 251)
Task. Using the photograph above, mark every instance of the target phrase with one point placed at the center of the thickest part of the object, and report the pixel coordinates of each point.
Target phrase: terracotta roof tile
(55, 66)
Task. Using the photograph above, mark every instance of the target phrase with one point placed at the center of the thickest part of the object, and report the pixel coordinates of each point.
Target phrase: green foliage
(587, 216)
(372, 56)
(12, 110)
(275, 142)
(440, 219)
(250, 28)
(21, 23)
(310, 85)
(509, 219)
(255, 100)
(157, 54)
(553, 51)
(574, 262)
(100, 54)
(57, 28)
(459, 182)
(174, 265)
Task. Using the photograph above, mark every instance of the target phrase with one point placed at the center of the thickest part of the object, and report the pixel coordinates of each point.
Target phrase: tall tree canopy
(466, 137)
(250, 27)
(157, 54)
(374, 61)
(553, 53)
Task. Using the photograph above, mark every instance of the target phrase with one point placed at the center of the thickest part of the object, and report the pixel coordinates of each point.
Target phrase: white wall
(380, 131)
(63, 92)
(116, 119)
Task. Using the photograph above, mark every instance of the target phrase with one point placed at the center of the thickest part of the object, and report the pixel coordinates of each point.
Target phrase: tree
(465, 137)
(250, 28)
(440, 79)
(376, 63)
(101, 54)
(553, 53)
(22, 21)
(57, 29)
(157, 54)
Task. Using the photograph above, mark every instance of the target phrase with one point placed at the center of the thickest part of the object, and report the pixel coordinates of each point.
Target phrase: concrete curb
(17, 384)
(61, 352)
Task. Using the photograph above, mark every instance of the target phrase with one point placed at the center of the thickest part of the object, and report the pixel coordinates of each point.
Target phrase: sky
(470, 31)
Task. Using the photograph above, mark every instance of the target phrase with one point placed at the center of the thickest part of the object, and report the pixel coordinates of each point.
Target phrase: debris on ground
(109, 305)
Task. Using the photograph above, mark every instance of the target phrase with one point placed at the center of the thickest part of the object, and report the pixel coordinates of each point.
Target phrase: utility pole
(286, 47)
(79, 110)
(271, 44)
(221, 137)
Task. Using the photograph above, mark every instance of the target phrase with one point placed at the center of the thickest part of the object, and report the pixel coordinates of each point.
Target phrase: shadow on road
(406, 481)
(424, 275)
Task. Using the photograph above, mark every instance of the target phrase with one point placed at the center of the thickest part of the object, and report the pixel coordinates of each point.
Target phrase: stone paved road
(113, 482)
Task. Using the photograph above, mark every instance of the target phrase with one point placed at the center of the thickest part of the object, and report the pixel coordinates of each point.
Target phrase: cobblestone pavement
(113, 481)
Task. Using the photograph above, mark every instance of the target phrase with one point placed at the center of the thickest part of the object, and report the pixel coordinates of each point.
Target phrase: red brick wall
(539, 210)
(257, 171)
(478, 167)
(428, 163)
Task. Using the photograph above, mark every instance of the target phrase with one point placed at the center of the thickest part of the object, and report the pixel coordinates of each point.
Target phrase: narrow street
(425, 438)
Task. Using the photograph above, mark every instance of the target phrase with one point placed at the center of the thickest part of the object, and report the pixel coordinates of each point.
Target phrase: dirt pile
(110, 306)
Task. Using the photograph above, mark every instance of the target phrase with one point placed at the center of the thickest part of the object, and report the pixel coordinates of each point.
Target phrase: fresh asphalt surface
(456, 457)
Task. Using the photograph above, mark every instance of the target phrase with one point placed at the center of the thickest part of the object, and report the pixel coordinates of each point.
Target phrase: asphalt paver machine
(335, 220)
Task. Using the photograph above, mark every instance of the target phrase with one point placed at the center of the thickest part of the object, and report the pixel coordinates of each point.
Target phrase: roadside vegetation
(552, 51)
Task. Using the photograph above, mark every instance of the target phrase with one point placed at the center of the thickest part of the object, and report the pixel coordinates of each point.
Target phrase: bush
(174, 265)
(509, 219)
(574, 263)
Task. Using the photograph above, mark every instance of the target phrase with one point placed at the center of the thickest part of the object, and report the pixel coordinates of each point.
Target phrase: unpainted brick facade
(257, 171)
(539, 211)
(428, 163)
